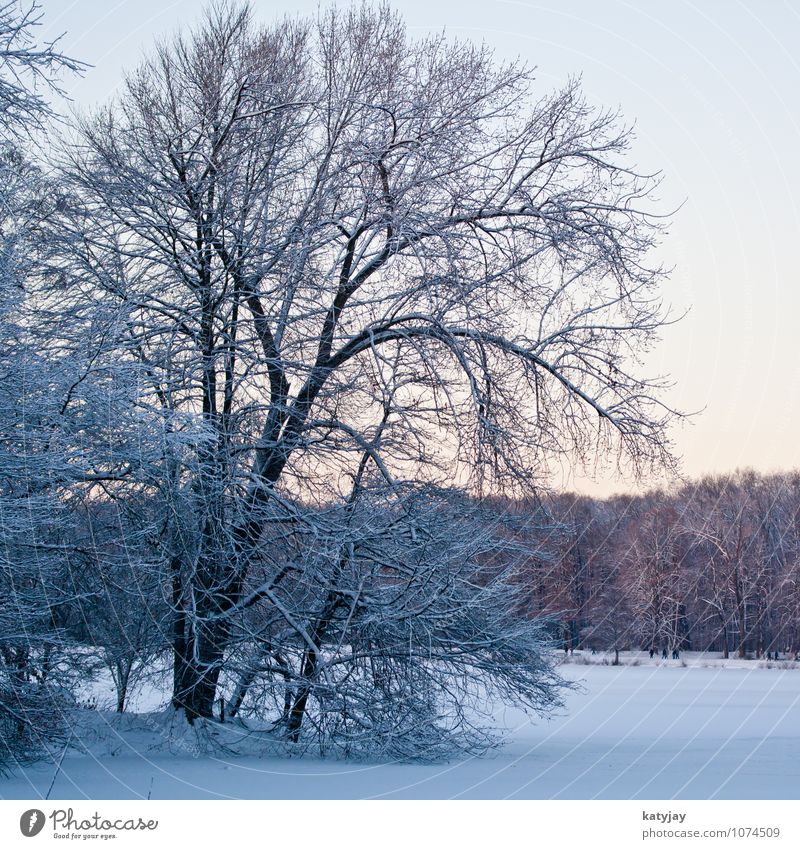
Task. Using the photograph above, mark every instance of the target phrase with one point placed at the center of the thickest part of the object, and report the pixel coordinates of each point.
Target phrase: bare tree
(610, 624)
(654, 577)
(32, 520)
(727, 531)
(120, 612)
(271, 225)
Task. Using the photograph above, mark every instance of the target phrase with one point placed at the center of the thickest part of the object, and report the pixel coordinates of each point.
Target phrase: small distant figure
(652, 652)
(566, 648)
(594, 651)
(769, 655)
(675, 654)
(664, 653)
(777, 656)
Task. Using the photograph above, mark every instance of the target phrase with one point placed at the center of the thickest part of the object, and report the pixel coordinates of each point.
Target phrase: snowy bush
(411, 631)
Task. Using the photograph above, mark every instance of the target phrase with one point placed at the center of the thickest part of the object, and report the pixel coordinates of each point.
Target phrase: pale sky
(714, 88)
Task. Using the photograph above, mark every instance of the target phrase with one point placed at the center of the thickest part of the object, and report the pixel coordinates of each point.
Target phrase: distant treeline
(711, 566)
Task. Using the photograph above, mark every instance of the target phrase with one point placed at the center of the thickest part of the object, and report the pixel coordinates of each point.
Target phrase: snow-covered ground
(696, 728)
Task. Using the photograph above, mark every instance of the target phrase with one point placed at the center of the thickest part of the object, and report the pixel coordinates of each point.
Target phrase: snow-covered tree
(320, 244)
(32, 518)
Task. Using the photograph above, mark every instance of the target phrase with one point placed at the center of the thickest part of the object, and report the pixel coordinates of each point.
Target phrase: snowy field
(644, 730)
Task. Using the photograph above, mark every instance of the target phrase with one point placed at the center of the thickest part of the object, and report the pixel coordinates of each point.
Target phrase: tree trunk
(245, 680)
(198, 685)
(295, 719)
(179, 642)
(123, 677)
(310, 664)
